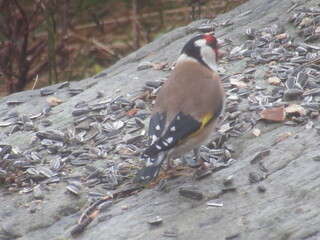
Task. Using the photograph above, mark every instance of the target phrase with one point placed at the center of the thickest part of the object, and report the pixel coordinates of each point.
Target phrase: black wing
(181, 127)
(156, 126)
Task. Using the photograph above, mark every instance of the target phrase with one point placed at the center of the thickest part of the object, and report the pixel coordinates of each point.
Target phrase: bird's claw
(201, 173)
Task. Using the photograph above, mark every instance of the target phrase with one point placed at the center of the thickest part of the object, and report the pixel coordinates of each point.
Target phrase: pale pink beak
(223, 53)
(220, 42)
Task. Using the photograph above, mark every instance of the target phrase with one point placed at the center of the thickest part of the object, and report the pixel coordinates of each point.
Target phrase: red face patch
(212, 41)
(209, 39)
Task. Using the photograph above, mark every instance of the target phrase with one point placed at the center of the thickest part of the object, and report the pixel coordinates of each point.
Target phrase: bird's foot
(201, 173)
(193, 163)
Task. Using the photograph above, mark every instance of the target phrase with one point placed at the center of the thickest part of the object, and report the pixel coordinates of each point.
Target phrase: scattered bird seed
(261, 189)
(144, 65)
(255, 177)
(46, 92)
(228, 189)
(191, 192)
(228, 180)
(316, 158)
(155, 221)
(259, 156)
(215, 204)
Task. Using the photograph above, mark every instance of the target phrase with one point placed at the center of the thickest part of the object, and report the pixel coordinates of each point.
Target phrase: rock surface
(273, 197)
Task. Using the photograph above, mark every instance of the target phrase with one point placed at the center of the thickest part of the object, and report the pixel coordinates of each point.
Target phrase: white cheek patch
(200, 43)
(209, 57)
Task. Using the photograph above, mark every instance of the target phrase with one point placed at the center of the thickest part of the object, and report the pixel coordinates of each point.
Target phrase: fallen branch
(91, 212)
(35, 82)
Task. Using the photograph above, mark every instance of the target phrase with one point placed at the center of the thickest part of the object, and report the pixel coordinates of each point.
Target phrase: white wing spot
(153, 138)
(158, 147)
(169, 140)
(158, 128)
(172, 129)
(165, 143)
(178, 117)
(149, 162)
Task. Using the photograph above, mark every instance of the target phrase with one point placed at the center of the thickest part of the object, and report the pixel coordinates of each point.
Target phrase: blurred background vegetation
(49, 41)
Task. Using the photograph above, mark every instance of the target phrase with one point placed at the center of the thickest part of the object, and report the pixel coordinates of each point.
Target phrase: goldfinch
(187, 107)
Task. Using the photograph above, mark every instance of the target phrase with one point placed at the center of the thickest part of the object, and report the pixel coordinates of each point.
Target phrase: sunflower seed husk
(63, 85)
(46, 92)
(75, 91)
(37, 192)
(191, 192)
(215, 204)
(259, 156)
(73, 189)
(144, 65)
(155, 221)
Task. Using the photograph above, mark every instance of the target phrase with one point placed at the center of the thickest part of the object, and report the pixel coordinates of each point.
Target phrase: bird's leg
(203, 171)
(169, 164)
(184, 160)
(196, 153)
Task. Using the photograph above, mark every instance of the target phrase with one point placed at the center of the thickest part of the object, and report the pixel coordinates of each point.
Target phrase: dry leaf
(256, 132)
(282, 36)
(304, 21)
(274, 81)
(295, 109)
(53, 101)
(236, 82)
(132, 112)
(159, 66)
(274, 114)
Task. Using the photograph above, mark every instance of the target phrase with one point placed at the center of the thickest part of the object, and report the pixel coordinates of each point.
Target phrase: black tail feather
(147, 174)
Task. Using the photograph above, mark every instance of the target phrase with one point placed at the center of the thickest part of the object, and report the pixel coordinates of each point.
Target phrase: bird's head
(204, 49)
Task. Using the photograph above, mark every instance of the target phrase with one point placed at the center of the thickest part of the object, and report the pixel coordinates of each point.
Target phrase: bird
(187, 107)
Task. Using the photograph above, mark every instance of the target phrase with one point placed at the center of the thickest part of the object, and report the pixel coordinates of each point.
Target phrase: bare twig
(91, 212)
(135, 30)
(103, 46)
(35, 82)
(50, 20)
